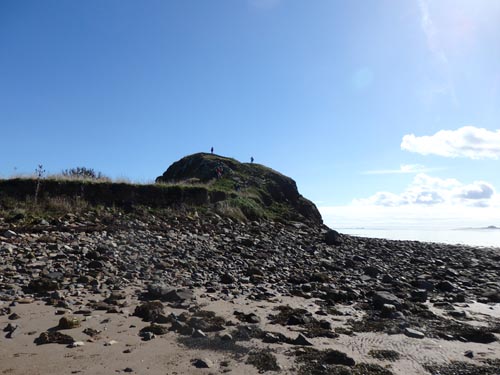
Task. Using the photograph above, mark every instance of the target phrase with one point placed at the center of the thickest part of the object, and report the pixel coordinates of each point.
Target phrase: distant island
(489, 227)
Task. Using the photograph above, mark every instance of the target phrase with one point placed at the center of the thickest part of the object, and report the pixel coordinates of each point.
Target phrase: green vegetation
(242, 191)
(84, 173)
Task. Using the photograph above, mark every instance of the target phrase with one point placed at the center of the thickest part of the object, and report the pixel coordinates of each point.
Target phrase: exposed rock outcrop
(272, 192)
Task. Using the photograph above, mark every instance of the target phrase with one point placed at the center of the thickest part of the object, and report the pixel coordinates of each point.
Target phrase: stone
(492, 296)
(203, 363)
(469, 354)
(12, 330)
(333, 238)
(388, 310)
(166, 293)
(149, 311)
(419, 295)
(302, 341)
(251, 318)
(425, 284)
(335, 357)
(157, 329)
(271, 338)
(227, 279)
(43, 284)
(54, 337)
(226, 337)
(9, 234)
(381, 298)
(446, 286)
(372, 271)
(413, 333)
(460, 314)
(14, 316)
(477, 334)
(91, 332)
(387, 279)
(68, 322)
(147, 335)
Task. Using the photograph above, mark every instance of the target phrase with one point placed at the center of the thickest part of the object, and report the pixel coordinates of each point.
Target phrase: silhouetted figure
(212, 150)
(251, 159)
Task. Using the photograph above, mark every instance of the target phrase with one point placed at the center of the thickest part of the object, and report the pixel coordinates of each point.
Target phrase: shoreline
(482, 238)
(241, 297)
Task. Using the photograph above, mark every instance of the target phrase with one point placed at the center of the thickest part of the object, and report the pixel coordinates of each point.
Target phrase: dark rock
(372, 271)
(333, 238)
(492, 296)
(387, 279)
(155, 328)
(379, 299)
(146, 335)
(149, 311)
(227, 279)
(54, 337)
(91, 332)
(203, 363)
(302, 340)
(12, 330)
(96, 264)
(480, 335)
(414, 333)
(247, 318)
(68, 322)
(226, 337)
(169, 294)
(334, 357)
(425, 284)
(14, 316)
(42, 285)
(446, 286)
(419, 295)
(457, 314)
(469, 354)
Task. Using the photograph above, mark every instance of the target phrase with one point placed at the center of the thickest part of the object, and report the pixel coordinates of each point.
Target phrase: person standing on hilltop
(251, 159)
(212, 150)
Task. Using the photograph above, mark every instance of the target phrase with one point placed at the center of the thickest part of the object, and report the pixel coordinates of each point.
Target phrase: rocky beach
(228, 285)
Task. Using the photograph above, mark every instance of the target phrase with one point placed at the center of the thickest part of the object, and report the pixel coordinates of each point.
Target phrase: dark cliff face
(262, 185)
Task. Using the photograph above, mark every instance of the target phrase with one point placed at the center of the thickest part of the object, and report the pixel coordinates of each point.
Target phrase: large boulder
(381, 298)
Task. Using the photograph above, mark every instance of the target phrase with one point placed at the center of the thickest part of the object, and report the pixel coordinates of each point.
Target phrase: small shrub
(40, 174)
(83, 173)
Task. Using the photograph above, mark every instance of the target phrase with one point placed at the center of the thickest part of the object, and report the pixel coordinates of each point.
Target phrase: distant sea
(471, 237)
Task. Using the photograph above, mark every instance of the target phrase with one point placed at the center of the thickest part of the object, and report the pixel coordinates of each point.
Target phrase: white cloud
(468, 142)
(429, 191)
(403, 169)
(427, 203)
(478, 190)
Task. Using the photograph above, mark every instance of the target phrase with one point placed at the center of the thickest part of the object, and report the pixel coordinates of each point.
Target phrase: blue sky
(372, 106)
